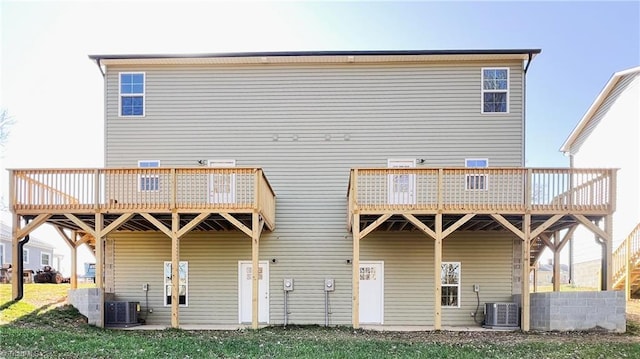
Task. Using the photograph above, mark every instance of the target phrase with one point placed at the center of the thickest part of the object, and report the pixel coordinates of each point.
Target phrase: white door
(402, 186)
(245, 309)
(222, 187)
(371, 292)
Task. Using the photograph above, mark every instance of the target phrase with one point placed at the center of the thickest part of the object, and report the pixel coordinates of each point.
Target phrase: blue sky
(54, 92)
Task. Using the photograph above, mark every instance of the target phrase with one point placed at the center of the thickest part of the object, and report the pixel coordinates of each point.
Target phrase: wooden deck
(85, 205)
(535, 204)
(162, 191)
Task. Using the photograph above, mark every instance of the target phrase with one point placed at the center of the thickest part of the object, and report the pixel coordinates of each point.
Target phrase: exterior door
(402, 186)
(371, 292)
(245, 309)
(222, 187)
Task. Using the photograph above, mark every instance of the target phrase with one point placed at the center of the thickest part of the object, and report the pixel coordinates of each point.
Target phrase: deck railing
(504, 190)
(142, 190)
(630, 244)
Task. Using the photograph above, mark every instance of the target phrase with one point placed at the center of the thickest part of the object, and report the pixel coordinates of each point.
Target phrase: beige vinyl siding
(485, 259)
(213, 274)
(307, 126)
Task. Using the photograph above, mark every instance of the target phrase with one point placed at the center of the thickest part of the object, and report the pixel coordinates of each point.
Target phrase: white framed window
(183, 271)
(45, 259)
(1, 254)
(450, 280)
(476, 181)
(495, 90)
(25, 255)
(132, 94)
(148, 182)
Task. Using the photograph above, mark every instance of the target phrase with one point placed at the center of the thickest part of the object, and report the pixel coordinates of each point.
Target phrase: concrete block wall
(89, 302)
(563, 311)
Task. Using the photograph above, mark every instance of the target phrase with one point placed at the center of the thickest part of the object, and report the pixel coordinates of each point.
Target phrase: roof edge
(568, 143)
(532, 52)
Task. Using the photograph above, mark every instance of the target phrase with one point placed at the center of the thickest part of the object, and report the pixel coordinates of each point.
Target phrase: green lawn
(61, 332)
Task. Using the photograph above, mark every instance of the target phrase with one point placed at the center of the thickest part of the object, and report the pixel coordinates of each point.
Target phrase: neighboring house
(228, 177)
(544, 274)
(37, 253)
(608, 135)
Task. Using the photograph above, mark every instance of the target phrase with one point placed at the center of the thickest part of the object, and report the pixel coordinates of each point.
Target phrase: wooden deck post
(526, 253)
(100, 263)
(175, 271)
(608, 241)
(627, 269)
(255, 269)
(437, 270)
(355, 272)
(74, 260)
(556, 262)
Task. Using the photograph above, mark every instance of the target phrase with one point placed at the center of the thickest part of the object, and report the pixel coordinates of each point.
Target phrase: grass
(54, 331)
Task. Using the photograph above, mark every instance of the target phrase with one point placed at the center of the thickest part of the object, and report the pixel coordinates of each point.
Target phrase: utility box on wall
(329, 285)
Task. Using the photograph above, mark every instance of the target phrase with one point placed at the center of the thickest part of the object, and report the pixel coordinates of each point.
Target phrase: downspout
(20, 264)
(102, 71)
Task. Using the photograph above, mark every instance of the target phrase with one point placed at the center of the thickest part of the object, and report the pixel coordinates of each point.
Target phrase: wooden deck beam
(374, 225)
(503, 221)
(421, 226)
(238, 224)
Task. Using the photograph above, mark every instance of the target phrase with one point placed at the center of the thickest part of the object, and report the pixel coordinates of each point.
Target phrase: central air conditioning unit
(121, 313)
(501, 315)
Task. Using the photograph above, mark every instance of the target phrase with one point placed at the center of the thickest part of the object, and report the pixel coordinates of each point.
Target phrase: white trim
(2, 257)
(613, 81)
(265, 276)
(144, 93)
(25, 258)
(459, 285)
(381, 263)
(399, 197)
(50, 259)
(229, 197)
(480, 175)
(507, 90)
(164, 284)
(200, 59)
(140, 177)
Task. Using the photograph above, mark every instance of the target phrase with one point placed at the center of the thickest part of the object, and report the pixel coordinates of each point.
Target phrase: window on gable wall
(495, 90)
(149, 181)
(476, 181)
(132, 91)
(450, 280)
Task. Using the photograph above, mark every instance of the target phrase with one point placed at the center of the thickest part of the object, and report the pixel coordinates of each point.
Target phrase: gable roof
(319, 56)
(582, 125)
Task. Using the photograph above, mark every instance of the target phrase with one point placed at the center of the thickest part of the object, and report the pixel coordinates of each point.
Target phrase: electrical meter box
(288, 284)
(329, 285)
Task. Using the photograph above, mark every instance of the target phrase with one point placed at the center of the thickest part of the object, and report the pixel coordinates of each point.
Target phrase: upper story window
(495, 90)
(132, 93)
(149, 181)
(476, 181)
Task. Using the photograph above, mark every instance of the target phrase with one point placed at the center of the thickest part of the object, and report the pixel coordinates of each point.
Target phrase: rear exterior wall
(307, 126)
